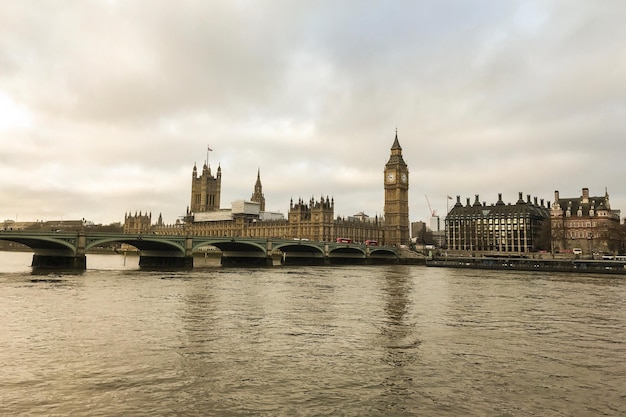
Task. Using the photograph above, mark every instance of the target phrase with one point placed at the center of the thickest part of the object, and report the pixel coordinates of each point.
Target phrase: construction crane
(433, 213)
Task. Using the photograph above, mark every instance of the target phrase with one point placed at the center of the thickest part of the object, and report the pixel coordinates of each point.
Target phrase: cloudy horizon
(107, 105)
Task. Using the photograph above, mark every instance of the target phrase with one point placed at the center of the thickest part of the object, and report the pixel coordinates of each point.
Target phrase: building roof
(574, 204)
(499, 209)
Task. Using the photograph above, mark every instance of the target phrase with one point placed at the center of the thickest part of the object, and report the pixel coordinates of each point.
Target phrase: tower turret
(257, 195)
(205, 190)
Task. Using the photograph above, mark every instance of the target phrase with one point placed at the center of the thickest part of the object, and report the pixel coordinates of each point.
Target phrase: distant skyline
(106, 105)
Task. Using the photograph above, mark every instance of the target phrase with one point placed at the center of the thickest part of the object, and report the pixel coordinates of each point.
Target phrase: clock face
(391, 177)
(403, 177)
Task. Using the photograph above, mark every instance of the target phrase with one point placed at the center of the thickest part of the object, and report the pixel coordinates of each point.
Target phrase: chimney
(556, 196)
(585, 195)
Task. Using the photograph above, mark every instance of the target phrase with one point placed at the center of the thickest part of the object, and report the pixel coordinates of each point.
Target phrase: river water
(309, 341)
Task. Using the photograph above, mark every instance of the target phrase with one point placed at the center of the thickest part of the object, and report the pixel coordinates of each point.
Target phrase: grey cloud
(488, 97)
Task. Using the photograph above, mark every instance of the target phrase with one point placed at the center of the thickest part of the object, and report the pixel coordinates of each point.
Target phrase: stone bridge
(67, 250)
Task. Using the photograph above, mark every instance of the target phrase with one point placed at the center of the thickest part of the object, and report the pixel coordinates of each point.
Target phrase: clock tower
(396, 197)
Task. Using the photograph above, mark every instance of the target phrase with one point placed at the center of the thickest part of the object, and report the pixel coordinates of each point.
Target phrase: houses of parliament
(307, 220)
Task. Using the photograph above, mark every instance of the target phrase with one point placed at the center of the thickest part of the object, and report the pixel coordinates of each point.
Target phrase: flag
(449, 198)
(209, 148)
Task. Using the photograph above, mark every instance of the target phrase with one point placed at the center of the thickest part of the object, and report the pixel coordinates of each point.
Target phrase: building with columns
(498, 227)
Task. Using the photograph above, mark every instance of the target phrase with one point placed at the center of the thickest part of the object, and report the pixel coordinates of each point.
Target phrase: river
(309, 341)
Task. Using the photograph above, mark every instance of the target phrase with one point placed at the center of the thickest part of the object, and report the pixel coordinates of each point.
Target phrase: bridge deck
(68, 249)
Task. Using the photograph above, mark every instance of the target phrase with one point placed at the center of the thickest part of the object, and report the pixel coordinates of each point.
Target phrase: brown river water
(309, 341)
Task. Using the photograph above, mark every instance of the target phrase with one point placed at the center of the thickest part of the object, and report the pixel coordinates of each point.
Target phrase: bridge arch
(356, 250)
(141, 242)
(383, 251)
(301, 252)
(237, 251)
(44, 243)
(51, 250)
(229, 244)
(299, 247)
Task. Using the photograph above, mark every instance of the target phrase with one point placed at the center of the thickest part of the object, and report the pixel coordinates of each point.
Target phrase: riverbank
(523, 264)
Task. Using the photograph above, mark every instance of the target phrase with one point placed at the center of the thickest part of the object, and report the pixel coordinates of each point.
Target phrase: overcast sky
(105, 106)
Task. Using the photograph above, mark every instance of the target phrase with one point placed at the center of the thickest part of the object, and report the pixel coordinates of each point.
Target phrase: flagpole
(208, 149)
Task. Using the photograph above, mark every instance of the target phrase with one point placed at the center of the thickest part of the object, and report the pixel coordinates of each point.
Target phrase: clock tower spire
(258, 196)
(396, 197)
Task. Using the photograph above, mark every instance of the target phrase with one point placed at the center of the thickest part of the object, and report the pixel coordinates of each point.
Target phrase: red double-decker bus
(344, 240)
(371, 242)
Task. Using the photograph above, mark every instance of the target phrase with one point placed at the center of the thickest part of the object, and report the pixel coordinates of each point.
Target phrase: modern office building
(498, 227)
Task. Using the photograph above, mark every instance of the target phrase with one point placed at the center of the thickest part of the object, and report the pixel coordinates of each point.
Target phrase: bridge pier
(383, 261)
(304, 260)
(243, 261)
(158, 262)
(59, 262)
(249, 259)
(335, 260)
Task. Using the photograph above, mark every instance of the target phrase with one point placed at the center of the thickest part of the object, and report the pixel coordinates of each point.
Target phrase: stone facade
(313, 220)
(396, 182)
(137, 223)
(205, 190)
(586, 223)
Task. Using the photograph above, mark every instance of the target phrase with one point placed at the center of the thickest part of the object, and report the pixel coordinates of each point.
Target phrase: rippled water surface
(309, 341)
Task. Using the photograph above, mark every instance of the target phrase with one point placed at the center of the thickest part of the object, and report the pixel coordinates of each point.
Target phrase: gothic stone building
(140, 223)
(498, 227)
(313, 220)
(585, 223)
(205, 190)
